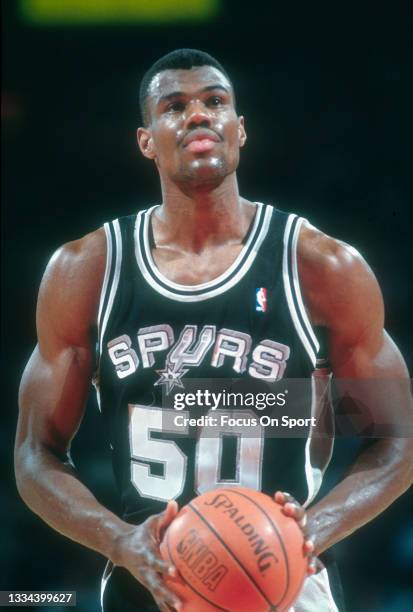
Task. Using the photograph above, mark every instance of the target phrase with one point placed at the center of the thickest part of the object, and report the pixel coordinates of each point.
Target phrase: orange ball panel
(236, 551)
(213, 577)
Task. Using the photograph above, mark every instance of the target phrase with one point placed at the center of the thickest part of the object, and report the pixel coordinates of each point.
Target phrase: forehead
(186, 81)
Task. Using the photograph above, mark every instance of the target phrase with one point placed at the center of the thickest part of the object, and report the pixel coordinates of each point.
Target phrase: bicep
(368, 366)
(52, 396)
(370, 358)
(343, 296)
(359, 346)
(373, 387)
(56, 380)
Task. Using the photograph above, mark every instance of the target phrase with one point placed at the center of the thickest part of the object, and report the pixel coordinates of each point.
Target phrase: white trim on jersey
(107, 572)
(292, 290)
(314, 474)
(212, 288)
(297, 288)
(211, 283)
(107, 272)
(326, 579)
(115, 280)
(315, 595)
(102, 299)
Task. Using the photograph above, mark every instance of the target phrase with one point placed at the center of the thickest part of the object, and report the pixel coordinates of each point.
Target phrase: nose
(197, 115)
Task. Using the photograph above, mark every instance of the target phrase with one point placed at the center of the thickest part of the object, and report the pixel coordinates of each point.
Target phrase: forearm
(380, 474)
(52, 490)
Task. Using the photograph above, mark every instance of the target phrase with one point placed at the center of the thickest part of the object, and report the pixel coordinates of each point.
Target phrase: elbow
(23, 470)
(409, 459)
(402, 450)
(29, 472)
(37, 468)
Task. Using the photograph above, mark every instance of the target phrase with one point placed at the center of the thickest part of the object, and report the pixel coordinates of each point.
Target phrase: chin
(206, 170)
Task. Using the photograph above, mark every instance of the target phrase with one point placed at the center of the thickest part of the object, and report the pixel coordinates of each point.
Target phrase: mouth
(201, 141)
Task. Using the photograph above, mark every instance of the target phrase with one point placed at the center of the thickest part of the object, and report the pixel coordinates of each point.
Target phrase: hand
(292, 508)
(138, 551)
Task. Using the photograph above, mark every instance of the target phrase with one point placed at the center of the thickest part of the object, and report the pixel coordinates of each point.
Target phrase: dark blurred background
(327, 94)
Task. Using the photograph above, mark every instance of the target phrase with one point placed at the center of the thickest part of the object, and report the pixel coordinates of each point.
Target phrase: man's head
(191, 128)
(180, 59)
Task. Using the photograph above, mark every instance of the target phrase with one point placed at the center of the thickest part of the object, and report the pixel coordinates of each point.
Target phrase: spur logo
(267, 360)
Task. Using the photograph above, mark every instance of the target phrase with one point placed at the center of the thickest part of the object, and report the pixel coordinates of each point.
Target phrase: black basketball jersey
(250, 323)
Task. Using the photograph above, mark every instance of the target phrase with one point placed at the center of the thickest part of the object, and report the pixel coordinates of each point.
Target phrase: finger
(295, 511)
(291, 508)
(160, 592)
(170, 512)
(289, 498)
(308, 547)
(157, 564)
(314, 566)
(318, 564)
(166, 519)
(168, 608)
(154, 561)
(311, 569)
(282, 498)
(279, 498)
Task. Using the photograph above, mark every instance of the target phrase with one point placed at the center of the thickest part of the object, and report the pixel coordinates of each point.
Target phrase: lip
(200, 134)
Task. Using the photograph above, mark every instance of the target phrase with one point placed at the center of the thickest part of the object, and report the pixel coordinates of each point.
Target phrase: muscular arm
(52, 397)
(53, 392)
(342, 295)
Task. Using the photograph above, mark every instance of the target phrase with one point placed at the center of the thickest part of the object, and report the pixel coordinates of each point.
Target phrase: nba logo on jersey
(261, 299)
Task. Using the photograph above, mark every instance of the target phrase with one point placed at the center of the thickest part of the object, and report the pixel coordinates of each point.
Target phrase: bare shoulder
(70, 289)
(337, 282)
(323, 253)
(78, 261)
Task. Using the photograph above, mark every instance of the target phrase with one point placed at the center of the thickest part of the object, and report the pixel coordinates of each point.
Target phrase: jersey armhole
(110, 281)
(292, 289)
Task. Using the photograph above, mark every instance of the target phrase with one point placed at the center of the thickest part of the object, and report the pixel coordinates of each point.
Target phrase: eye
(214, 101)
(175, 107)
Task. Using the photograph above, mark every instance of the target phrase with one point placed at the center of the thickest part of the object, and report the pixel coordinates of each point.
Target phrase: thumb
(165, 519)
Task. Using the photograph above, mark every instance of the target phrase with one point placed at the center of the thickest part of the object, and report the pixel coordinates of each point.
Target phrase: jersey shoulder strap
(119, 233)
(292, 288)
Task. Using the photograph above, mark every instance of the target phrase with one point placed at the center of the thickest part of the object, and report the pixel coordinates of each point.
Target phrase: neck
(192, 219)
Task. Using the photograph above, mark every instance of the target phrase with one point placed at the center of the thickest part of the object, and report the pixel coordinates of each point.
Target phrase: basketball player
(205, 285)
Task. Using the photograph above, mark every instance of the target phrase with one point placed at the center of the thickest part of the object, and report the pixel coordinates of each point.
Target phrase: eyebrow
(181, 94)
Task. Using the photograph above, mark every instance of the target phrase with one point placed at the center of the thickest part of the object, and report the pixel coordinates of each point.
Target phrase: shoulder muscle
(340, 289)
(69, 293)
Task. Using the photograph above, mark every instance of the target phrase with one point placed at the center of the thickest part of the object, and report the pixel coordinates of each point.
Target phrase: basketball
(235, 550)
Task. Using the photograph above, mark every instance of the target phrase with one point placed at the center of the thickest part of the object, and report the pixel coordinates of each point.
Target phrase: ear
(242, 135)
(145, 142)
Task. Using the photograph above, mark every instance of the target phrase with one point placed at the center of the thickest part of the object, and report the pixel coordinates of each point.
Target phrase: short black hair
(180, 59)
